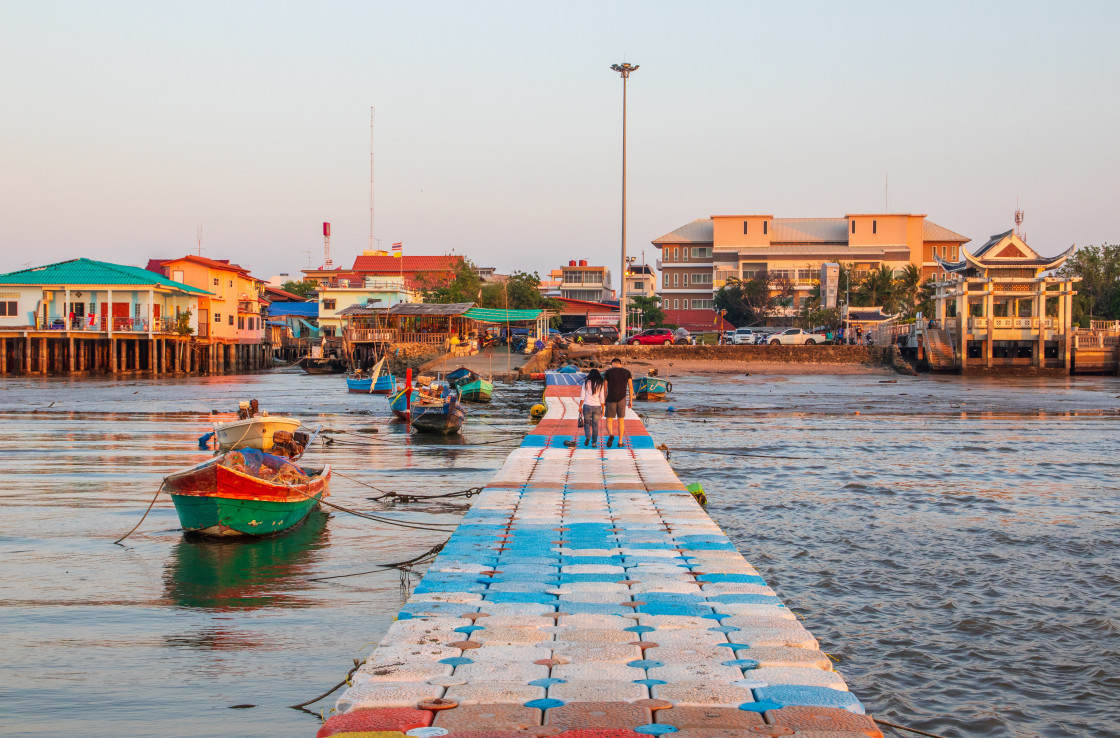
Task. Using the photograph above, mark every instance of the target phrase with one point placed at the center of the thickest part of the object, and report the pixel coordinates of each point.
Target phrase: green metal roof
(487, 315)
(90, 272)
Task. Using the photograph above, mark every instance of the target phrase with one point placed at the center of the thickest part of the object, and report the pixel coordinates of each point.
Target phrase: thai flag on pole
(397, 248)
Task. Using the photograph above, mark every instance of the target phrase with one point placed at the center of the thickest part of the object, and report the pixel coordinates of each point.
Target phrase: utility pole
(624, 70)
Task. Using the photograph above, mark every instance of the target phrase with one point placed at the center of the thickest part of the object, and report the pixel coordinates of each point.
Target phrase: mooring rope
(150, 504)
(896, 726)
(422, 558)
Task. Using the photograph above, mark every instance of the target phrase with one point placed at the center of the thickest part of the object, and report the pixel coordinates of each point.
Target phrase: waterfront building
(418, 271)
(372, 291)
(995, 309)
(230, 311)
(578, 313)
(578, 281)
(87, 315)
(550, 285)
(699, 257)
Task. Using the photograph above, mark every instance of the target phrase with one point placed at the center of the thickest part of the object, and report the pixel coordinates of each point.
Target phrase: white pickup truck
(796, 337)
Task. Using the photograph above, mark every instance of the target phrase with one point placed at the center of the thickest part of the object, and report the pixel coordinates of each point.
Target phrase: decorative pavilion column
(962, 319)
(989, 315)
(1040, 345)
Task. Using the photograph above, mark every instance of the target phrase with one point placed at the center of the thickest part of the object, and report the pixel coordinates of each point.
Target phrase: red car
(656, 336)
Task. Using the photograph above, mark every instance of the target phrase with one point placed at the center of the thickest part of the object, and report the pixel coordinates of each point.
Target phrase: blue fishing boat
(399, 402)
(651, 388)
(383, 385)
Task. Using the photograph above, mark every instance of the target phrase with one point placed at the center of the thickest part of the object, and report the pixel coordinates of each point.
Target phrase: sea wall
(871, 355)
(415, 356)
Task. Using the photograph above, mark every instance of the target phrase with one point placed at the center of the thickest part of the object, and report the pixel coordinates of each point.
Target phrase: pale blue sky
(125, 124)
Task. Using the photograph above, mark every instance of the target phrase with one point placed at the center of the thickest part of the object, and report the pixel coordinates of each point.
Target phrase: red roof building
(418, 271)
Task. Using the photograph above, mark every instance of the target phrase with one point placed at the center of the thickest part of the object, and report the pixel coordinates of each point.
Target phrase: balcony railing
(1010, 323)
(383, 335)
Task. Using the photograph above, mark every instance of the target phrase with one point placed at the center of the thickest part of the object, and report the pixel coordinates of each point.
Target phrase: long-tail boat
(246, 493)
(326, 365)
(252, 429)
(401, 399)
(471, 386)
(372, 382)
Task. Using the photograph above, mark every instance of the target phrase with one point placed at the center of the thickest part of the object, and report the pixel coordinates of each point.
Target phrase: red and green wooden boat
(246, 493)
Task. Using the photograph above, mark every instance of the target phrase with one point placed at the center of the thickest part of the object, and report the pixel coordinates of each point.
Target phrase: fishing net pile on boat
(266, 467)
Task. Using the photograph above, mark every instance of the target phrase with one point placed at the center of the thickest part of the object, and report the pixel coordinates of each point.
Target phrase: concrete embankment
(742, 359)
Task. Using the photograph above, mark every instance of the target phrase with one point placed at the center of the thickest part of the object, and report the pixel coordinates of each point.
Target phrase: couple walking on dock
(607, 394)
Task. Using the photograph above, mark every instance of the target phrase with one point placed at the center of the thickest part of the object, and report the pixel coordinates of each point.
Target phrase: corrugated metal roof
(398, 264)
(306, 309)
(91, 272)
(698, 231)
(424, 308)
(809, 230)
(933, 232)
(488, 315)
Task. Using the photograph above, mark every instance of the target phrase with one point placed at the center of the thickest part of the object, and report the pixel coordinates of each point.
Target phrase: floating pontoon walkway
(586, 593)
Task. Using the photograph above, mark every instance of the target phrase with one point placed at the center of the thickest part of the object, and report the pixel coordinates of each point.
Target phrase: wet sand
(684, 367)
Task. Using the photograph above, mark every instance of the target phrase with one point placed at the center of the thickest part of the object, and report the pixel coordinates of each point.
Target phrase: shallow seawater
(955, 545)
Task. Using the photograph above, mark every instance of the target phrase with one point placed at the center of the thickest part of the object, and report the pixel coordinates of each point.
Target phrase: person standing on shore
(620, 394)
(591, 398)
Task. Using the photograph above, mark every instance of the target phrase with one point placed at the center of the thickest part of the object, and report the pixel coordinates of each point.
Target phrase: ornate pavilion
(994, 310)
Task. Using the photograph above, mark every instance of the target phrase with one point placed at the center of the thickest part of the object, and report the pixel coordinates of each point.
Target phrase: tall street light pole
(623, 69)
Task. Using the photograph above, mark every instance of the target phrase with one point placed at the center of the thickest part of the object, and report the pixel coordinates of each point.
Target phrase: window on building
(231, 283)
(674, 253)
(684, 253)
(327, 330)
(676, 277)
(217, 317)
(874, 226)
(944, 251)
(745, 223)
(701, 304)
(665, 277)
(765, 228)
(328, 304)
(216, 282)
(231, 320)
(701, 252)
(240, 323)
(9, 308)
(853, 226)
(676, 304)
(702, 278)
(177, 275)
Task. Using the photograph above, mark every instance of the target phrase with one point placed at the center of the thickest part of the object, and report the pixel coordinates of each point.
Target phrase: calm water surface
(954, 545)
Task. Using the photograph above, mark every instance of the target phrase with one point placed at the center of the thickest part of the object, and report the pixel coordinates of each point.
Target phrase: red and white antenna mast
(1018, 219)
(327, 246)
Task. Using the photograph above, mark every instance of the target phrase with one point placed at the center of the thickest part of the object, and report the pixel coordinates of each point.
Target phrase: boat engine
(286, 443)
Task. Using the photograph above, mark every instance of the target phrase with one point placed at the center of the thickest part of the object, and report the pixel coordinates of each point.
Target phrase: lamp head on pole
(625, 68)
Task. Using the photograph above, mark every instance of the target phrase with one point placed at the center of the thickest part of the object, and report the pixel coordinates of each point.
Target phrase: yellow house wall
(224, 300)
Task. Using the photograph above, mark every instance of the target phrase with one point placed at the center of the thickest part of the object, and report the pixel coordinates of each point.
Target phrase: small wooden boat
(382, 386)
(246, 493)
(373, 382)
(651, 388)
(255, 432)
(328, 365)
(443, 416)
(471, 386)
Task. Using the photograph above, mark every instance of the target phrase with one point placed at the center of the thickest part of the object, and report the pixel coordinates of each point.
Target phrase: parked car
(762, 337)
(728, 336)
(653, 336)
(741, 336)
(605, 334)
(796, 337)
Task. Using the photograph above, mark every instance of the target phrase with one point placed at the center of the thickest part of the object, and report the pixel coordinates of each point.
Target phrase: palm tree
(877, 288)
(906, 287)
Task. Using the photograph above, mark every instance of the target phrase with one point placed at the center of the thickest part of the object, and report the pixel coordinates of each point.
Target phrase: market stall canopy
(488, 315)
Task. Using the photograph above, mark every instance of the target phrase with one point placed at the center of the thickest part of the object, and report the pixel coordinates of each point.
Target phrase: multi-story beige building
(578, 281)
(699, 257)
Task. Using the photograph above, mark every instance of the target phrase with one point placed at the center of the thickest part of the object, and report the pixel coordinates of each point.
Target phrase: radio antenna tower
(327, 246)
(1018, 219)
(198, 237)
(371, 177)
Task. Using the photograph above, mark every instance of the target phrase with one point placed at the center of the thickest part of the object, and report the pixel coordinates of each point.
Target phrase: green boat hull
(477, 391)
(224, 516)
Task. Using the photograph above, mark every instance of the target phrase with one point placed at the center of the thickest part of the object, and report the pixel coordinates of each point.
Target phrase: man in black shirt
(620, 393)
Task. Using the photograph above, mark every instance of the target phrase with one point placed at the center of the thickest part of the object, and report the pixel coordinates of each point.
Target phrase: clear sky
(124, 125)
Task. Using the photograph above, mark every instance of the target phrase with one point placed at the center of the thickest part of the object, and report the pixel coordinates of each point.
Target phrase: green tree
(877, 288)
(925, 297)
(907, 289)
(183, 323)
(303, 288)
(464, 285)
(749, 301)
(1098, 292)
(649, 308)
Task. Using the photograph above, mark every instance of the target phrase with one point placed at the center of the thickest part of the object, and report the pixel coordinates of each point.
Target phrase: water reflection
(243, 574)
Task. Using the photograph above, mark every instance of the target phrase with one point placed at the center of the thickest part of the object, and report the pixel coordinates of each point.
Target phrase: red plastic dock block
(599, 715)
(709, 717)
(823, 718)
(380, 719)
(499, 717)
(599, 733)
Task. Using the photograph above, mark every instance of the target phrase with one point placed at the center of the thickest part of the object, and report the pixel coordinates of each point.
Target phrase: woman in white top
(591, 399)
